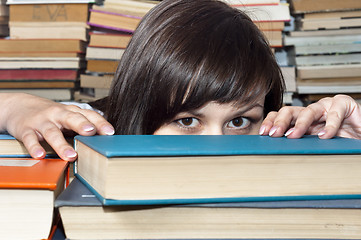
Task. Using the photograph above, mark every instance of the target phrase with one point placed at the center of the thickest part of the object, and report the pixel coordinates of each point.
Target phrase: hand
(329, 117)
(32, 119)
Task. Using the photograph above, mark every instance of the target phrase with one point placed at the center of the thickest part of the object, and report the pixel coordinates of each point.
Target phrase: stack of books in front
(28, 188)
(272, 17)
(112, 25)
(4, 19)
(213, 187)
(48, 40)
(327, 47)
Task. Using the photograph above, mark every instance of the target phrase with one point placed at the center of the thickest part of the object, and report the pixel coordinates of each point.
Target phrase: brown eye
(186, 121)
(240, 122)
(237, 122)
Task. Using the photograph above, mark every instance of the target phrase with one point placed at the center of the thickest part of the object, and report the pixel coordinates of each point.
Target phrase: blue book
(84, 217)
(146, 169)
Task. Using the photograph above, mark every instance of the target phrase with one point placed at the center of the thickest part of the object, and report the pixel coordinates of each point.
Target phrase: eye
(188, 122)
(240, 122)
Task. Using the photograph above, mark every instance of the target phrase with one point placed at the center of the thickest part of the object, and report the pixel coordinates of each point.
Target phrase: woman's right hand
(32, 119)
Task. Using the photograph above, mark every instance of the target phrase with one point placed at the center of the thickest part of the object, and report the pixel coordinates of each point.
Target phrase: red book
(38, 74)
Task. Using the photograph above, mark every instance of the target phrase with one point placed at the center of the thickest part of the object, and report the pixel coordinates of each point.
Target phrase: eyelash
(181, 125)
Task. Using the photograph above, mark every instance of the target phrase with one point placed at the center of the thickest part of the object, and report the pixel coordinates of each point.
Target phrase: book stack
(112, 25)
(28, 188)
(213, 187)
(47, 40)
(272, 16)
(327, 47)
(4, 19)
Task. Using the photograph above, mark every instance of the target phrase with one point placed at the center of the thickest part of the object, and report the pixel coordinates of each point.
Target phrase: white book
(104, 53)
(53, 94)
(47, 1)
(267, 13)
(310, 60)
(41, 64)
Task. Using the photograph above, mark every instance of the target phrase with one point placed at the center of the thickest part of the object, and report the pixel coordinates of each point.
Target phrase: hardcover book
(147, 169)
(28, 188)
(11, 147)
(84, 217)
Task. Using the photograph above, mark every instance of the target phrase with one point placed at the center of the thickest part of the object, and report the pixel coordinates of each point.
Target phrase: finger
(86, 122)
(310, 115)
(267, 123)
(284, 120)
(55, 138)
(334, 119)
(31, 142)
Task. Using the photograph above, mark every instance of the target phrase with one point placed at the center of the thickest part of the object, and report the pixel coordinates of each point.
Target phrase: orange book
(28, 188)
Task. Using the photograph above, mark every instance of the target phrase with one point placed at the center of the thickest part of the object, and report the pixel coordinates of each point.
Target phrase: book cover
(65, 12)
(28, 173)
(195, 145)
(105, 18)
(147, 169)
(84, 217)
(28, 188)
(38, 74)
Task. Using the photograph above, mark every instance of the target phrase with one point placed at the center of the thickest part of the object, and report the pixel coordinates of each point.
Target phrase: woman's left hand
(329, 117)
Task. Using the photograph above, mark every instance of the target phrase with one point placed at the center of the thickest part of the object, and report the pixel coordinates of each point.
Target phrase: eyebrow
(251, 107)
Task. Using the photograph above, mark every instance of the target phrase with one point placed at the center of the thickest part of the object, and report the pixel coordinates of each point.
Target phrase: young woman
(192, 67)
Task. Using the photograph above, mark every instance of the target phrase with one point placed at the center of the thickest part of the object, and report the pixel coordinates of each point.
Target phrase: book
(11, 147)
(47, 1)
(332, 59)
(331, 20)
(105, 18)
(328, 48)
(28, 188)
(41, 45)
(336, 87)
(38, 74)
(148, 169)
(49, 12)
(37, 84)
(104, 53)
(42, 64)
(266, 13)
(47, 30)
(93, 81)
(61, 94)
(84, 217)
(251, 2)
(109, 40)
(302, 6)
(102, 66)
(130, 7)
(329, 71)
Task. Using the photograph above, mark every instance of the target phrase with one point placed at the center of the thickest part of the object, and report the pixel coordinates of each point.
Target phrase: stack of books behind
(4, 19)
(327, 47)
(272, 17)
(112, 25)
(46, 49)
(213, 187)
(28, 188)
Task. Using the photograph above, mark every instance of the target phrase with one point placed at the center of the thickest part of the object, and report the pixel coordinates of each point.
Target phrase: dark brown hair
(184, 54)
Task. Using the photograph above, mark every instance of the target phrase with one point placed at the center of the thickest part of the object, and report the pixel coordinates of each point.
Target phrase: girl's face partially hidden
(216, 119)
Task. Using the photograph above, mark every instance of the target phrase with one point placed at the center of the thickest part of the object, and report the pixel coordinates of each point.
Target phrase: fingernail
(108, 130)
(70, 153)
(289, 131)
(39, 153)
(88, 128)
(320, 134)
(273, 130)
(261, 130)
